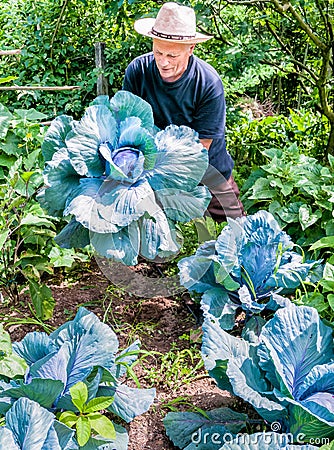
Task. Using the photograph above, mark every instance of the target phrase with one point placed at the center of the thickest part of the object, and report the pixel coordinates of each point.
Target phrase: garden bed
(163, 324)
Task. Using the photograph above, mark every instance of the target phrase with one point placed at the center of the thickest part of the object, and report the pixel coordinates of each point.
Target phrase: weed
(175, 368)
(8, 321)
(175, 404)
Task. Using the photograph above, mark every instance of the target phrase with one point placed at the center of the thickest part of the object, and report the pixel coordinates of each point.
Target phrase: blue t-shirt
(196, 99)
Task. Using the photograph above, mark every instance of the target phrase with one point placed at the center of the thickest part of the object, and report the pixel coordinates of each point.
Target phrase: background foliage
(263, 50)
(275, 61)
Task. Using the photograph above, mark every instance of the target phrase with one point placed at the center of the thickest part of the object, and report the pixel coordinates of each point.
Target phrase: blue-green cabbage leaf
(83, 349)
(30, 426)
(249, 267)
(116, 176)
(287, 375)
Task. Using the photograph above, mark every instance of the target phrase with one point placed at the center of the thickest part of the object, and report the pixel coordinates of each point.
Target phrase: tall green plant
(57, 49)
(27, 249)
(24, 231)
(248, 137)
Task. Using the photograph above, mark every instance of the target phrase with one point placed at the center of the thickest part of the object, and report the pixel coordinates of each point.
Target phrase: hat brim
(144, 27)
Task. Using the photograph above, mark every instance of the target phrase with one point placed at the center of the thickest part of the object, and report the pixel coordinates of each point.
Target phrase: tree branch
(321, 85)
(282, 9)
(297, 63)
(10, 52)
(57, 27)
(295, 72)
(39, 88)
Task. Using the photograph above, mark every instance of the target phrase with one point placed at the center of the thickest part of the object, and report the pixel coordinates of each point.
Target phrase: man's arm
(206, 143)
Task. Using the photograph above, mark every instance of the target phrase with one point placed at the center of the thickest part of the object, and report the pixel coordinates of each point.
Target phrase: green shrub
(297, 190)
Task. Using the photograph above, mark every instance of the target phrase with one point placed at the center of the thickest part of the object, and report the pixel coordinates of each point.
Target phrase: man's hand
(206, 143)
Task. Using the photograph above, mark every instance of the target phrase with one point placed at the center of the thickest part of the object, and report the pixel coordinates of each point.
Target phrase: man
(184, 90)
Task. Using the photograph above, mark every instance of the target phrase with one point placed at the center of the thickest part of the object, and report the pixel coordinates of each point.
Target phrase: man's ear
(191, 48)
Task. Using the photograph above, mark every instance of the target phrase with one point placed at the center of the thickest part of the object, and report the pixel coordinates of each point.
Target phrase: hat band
(175, 37)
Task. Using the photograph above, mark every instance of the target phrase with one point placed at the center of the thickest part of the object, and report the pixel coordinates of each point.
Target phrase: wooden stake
(10, 52)
(102, 82)
(39, 88)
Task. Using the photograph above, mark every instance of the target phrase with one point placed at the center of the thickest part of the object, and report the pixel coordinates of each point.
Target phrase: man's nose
(163, 61)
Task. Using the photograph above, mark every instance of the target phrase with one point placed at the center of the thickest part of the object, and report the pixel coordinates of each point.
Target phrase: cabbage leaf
(249, 267)
(287, 375)
(116, 176)
(30, 426)
(83, 349)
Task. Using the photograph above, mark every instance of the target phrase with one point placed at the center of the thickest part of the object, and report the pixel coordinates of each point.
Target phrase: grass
(175, 404)
(114, 316)
(19, 318)
(174, 368)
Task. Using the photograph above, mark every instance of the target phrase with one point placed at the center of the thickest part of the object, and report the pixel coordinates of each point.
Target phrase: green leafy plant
(297, 190)
(57, 49)
(28, 252)
(176, 367)
(249, 137)
(11, 365)
(320, 295)
(89, 418)
(77, 370)
(25, 231)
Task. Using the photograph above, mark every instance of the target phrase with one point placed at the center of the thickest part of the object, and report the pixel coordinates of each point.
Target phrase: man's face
(171, 58)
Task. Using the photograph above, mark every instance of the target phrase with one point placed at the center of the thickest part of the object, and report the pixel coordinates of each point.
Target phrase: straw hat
(174, 23)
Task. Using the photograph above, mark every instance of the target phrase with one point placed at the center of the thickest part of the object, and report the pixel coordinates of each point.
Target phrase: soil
(160, 322)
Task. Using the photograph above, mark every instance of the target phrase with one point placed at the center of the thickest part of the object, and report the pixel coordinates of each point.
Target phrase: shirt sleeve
(130, 78)
(210, 116)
